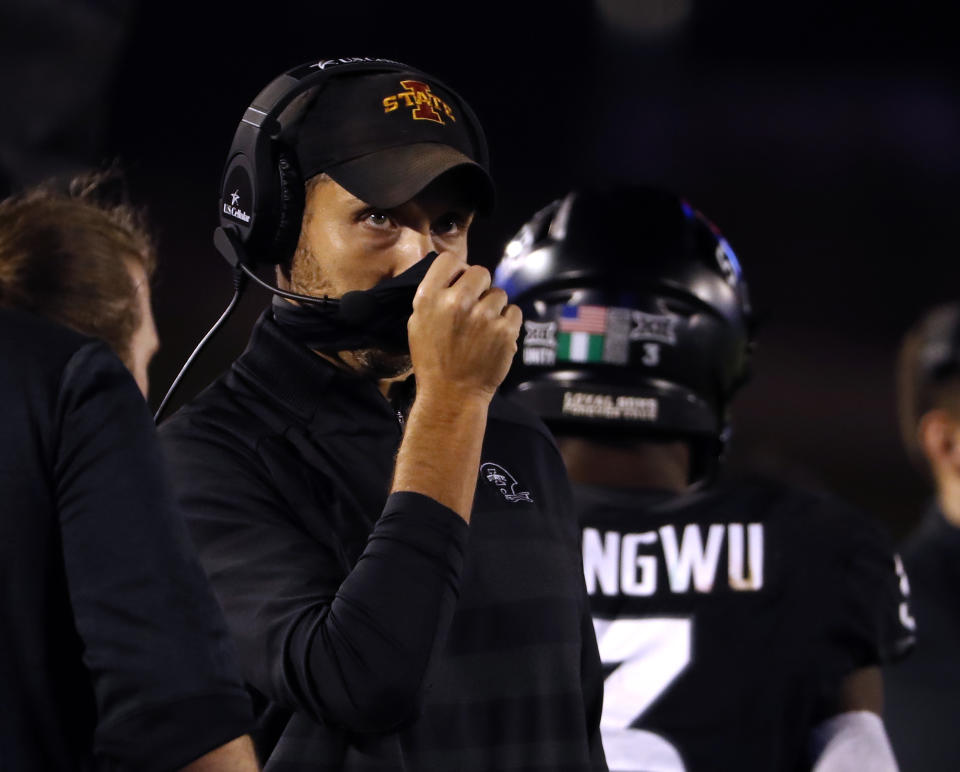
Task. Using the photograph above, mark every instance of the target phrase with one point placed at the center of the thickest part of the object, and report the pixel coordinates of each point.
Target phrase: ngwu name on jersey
(689, 557)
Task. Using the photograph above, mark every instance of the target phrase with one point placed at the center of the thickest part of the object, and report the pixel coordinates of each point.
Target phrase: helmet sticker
(594, 334)
(588, 333)
(583, 404)
(540, 343)
(658, 328)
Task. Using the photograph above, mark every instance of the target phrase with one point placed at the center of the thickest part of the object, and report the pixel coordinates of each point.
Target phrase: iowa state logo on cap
(426, 105)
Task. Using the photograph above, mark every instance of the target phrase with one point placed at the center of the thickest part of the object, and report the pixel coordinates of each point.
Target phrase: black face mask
(373, 318)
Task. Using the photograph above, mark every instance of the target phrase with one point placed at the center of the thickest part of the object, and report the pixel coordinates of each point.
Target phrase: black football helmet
(636, 316)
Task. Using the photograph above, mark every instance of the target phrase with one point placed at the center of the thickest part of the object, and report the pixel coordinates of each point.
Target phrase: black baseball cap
(386, 136)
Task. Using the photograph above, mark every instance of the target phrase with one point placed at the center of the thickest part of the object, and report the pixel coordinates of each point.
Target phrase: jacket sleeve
(163, 671)
(348, 646)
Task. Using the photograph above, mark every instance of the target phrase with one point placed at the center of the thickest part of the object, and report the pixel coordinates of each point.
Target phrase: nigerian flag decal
(580, 333)
(579, 347)
(593, 334)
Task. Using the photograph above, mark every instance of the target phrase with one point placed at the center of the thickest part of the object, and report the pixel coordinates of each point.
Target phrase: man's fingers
(458, 285)
(472, 283)
(514, 316)
(446, 269)
(467, 289)
(462, 331)
(494, 299)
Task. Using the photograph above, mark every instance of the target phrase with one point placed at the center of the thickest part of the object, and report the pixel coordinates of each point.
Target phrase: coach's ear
(939, 437)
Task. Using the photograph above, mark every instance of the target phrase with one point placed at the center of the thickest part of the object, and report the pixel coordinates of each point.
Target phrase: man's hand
(463, 336)
(462, 333)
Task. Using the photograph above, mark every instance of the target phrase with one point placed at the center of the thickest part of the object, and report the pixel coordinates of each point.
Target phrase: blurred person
(923, 692)
(113, 654)
(397, 561)
(741, 623)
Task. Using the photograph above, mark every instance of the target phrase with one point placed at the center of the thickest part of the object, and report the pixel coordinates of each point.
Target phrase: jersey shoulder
(817, 512)
(855, 556)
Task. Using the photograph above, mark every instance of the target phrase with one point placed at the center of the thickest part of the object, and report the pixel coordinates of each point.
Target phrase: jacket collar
(303, 381)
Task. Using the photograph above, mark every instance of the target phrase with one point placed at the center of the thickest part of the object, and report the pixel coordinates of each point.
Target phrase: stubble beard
(379, 364)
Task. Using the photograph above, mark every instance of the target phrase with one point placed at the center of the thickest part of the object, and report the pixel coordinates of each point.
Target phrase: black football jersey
(922, 694)
(726, 620)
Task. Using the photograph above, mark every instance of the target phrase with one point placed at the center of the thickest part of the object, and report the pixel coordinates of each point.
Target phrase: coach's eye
(451, 224)
(445, 225)
(378, 219)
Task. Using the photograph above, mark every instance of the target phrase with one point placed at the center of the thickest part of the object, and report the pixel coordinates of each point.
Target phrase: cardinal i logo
(426, 106)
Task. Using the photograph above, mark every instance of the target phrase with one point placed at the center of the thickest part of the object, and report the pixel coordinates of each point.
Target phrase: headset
(262, 190)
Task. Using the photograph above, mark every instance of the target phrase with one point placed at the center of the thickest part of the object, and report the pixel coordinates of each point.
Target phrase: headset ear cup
(291, 194)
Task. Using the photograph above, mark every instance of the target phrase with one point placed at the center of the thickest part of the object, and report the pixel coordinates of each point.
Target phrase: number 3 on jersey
(648, 654)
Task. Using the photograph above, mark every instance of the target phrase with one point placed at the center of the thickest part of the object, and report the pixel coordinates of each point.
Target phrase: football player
(742, 623)
(924, 691)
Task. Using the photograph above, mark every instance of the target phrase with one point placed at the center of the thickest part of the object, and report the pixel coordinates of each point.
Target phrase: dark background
(821, 137)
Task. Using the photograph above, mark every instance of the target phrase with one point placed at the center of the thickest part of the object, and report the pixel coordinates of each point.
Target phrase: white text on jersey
(626, 564)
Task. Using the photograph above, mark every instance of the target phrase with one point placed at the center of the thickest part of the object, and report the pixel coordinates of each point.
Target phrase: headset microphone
(228, 244)
(358, 306)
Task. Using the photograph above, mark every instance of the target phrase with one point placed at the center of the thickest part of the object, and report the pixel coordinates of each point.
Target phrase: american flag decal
(591, 319)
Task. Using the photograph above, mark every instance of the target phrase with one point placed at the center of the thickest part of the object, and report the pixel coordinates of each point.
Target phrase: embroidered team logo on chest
(504, 482)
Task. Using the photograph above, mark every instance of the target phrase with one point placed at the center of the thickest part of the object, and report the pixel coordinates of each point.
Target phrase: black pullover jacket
(113, 653)
(380, 631)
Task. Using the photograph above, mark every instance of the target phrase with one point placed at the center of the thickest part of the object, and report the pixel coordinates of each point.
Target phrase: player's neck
(661, 466)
